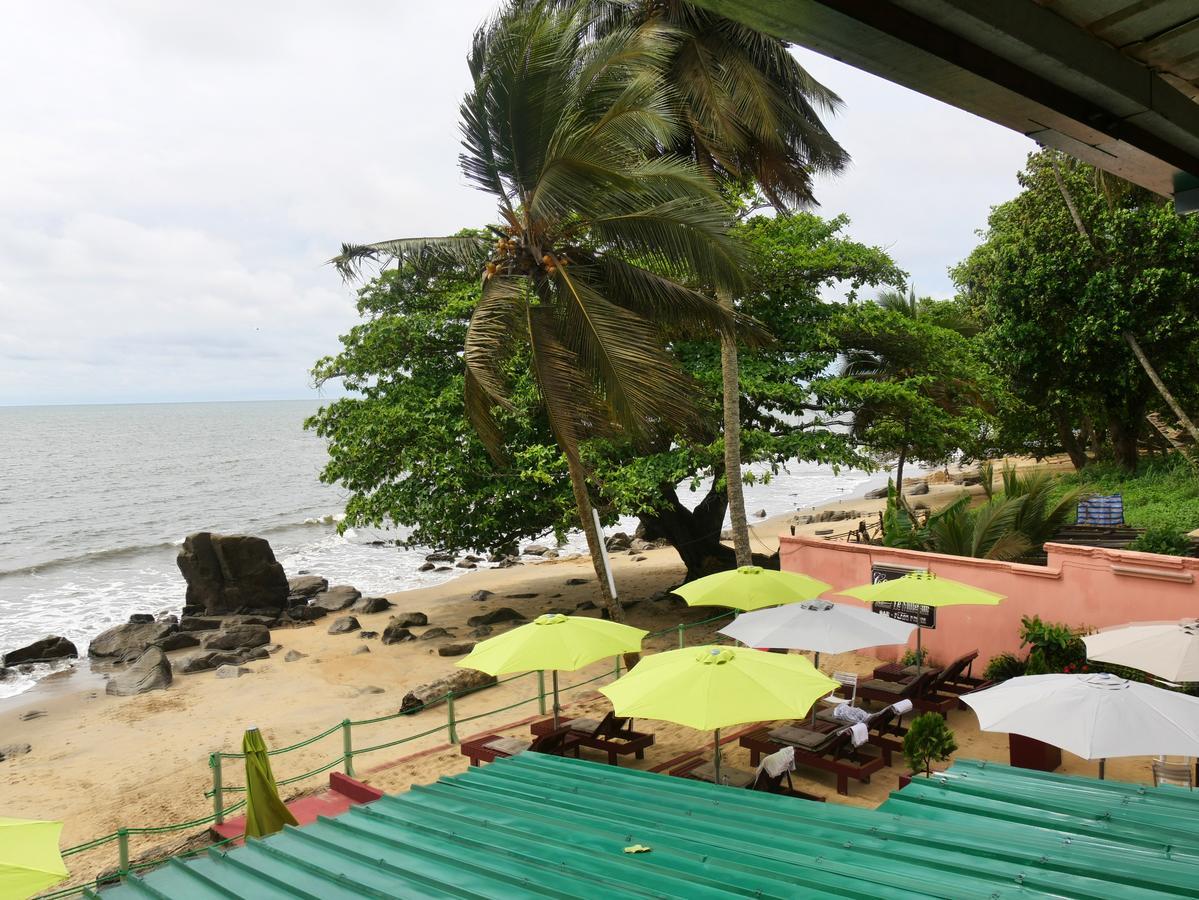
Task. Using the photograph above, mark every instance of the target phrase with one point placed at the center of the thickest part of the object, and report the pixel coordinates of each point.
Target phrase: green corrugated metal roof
(542, 826)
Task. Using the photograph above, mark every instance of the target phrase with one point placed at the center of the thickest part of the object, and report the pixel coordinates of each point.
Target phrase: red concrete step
(343, 793)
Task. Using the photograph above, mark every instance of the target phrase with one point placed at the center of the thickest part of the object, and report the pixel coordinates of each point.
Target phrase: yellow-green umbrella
(751, 587)
(923, 589)
(555, 642)
(712, 687)
(29, 857)
(265, 812)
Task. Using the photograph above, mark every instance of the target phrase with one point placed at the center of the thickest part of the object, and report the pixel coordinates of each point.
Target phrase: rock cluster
(150, 672)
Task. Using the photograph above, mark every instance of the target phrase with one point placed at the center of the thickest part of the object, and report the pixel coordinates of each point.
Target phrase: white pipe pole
(604, 553)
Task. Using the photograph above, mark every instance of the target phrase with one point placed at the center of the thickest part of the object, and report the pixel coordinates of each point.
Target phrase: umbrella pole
(716, 755)
(1102, 763)
(814, 704)
(919, 649)
(557, 708)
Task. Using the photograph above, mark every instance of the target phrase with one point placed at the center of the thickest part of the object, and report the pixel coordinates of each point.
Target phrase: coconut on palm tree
(600, 235)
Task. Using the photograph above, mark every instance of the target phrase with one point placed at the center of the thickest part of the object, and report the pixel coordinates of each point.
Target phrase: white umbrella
(1169, 650)
(819, 626)
(1093, 716)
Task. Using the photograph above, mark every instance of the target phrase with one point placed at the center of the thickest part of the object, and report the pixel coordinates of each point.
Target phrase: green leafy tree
(929, 740)
(1058, 303)
(402, 446)
(916, 390)
(597, 238)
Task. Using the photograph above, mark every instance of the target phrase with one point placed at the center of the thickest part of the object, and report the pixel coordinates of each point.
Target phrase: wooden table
(1029, 753)
(635, 744)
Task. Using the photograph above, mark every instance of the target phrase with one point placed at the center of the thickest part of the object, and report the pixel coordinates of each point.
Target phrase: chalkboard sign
(914, 613)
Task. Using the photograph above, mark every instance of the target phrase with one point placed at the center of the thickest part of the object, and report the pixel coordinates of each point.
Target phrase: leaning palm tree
(599, 236)
(751, 118)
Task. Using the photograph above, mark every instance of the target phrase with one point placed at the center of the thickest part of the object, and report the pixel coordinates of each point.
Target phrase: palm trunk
(578, 482)
(1161, 386)
(731, 383)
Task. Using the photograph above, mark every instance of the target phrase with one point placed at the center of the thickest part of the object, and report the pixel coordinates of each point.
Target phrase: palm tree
(752, 119)
(598, 234)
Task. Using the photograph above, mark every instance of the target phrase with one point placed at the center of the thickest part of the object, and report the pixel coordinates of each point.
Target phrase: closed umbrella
(265, 812)
(923, 589)
(1094, 716)
(555, 642)
(1169, 650)
(29, 858)
(709, 688)
(751, 587)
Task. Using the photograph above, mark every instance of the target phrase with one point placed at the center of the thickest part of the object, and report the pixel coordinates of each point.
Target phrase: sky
(173, 177)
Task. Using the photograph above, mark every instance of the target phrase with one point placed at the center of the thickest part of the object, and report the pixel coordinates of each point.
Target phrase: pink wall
(1081, 586)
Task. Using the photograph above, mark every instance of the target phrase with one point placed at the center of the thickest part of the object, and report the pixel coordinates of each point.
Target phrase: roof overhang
(1112, 82)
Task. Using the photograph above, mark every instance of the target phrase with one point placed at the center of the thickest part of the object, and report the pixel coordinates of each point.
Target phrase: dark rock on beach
(367, 605)
(122, 641)
(8, 751)
(571, 582)
(482, 631)
(151, 672)
(306, 613)
(141, 618)
(46, 649)
(180, 640)
(336, 598)
(293, 655)
(434, 633)
(426, 567)
(225, 572)
(397, 634)
(238, 637)
(456, 649)
(480, 596)
(500, 616)
(193, 623)
(408, 619)
(305, 587)
(368, 635)
(344, 625)
(440, 557)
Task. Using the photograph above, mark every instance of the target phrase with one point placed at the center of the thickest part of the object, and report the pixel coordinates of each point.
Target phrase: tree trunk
(731, 384)
(1061, 186)
(578, 481)
(899, 471)
(695, 533)
(1125, 436)
(1161, 386)
(1070, 442)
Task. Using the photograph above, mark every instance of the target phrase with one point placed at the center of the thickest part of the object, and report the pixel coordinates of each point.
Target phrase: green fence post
(682, 637)
(618, 665)
(347, 745)
(123, 849)
(453, 726)
(218, 800)
(541, 691)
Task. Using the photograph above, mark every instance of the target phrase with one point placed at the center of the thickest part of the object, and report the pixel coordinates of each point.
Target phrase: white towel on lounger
(860, 733)
(902, 707)
(850, 714)
(775, 764)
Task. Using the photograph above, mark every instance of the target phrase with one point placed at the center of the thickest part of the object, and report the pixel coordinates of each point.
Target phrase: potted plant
(928, 740)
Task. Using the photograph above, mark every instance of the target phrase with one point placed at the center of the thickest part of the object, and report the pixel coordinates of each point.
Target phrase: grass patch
(1162, 497)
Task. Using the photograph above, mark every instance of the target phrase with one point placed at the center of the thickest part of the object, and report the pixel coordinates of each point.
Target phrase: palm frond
(466, 251)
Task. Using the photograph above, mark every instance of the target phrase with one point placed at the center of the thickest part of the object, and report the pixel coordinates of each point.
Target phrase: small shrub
(914, 658)
(1052, 646)
(1003, 667)
(1163, 540)
(928, 740)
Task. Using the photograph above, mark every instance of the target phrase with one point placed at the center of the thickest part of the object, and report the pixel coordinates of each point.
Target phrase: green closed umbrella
(265, 812)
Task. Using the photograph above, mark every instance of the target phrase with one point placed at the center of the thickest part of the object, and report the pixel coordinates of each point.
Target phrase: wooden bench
(490, 747)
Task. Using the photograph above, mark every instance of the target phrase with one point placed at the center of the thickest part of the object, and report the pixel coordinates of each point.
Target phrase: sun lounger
(611, 734)
(889, 692)
(829, 751)
(702, 769)
(491, 747)
(886, 727)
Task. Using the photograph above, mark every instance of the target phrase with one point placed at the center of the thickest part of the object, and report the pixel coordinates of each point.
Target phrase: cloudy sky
(172, 177)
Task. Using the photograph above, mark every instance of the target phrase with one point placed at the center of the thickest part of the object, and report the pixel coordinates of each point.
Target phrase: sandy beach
(100, 762)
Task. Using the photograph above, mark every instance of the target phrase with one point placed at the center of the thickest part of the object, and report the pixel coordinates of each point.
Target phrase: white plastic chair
(1179, 773)
(848, 682)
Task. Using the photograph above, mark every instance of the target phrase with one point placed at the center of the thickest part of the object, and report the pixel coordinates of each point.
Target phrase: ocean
(95, 500)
